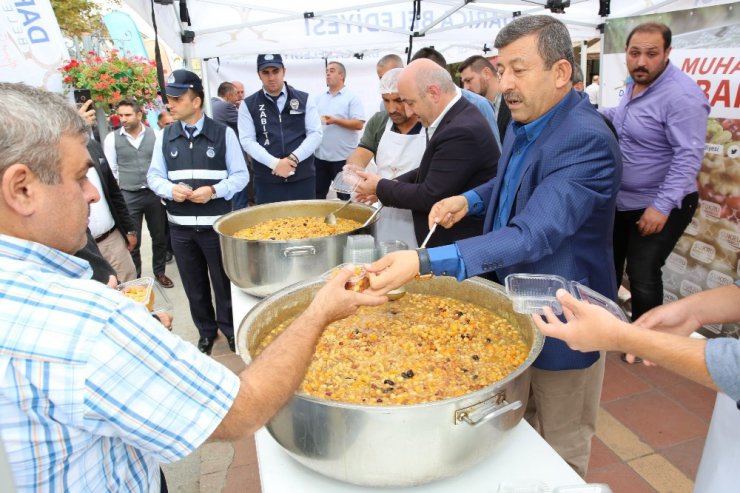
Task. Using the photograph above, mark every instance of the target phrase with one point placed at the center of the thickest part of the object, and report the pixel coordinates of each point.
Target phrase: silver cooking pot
(396, 445)
(262, 267)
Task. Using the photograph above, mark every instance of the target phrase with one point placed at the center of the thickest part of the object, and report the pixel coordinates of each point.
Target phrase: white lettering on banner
(703, 252)
(365, 21)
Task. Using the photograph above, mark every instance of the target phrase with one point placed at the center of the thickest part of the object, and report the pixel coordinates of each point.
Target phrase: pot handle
(299, 251)
(484, 411)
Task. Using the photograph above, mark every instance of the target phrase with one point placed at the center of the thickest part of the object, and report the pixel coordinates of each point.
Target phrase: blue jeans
(645, 255)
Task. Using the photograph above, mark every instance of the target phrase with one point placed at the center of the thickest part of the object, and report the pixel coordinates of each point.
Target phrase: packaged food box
(530, 293)
(140, 290)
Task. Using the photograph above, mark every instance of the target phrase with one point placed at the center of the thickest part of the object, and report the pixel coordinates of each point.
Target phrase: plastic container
(530, 293)
(140, 290)
(360, 249)
(386, 247)
(346, 181)
(359, 280)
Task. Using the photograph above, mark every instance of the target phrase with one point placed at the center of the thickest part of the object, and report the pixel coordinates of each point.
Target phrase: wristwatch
(213, 193)
(293, 158)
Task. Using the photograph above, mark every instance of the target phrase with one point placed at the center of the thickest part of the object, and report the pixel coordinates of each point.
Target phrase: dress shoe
(205, 344)
(169, 257)
(164, 281)
(232, 344)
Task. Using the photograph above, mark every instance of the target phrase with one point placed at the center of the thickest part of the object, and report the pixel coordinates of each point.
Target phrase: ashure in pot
(263, 267)
(397, 445)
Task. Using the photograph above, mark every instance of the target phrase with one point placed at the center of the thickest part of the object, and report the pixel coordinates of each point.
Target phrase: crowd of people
(519, 169)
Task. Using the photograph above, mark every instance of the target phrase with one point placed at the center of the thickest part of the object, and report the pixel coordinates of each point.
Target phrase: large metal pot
(396, 445)
(262, 267)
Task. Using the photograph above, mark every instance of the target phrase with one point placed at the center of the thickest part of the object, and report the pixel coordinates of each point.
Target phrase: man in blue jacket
(549, 210)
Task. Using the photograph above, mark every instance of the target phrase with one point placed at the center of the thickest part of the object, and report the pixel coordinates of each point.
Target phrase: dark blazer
(226, 113)
(102, 270)
(503, 118)
(111, 191)
(461, 155)
(562, 217)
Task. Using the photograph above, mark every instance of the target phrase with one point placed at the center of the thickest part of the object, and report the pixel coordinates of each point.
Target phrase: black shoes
(232, 344)
(205, 345)
(169, 258)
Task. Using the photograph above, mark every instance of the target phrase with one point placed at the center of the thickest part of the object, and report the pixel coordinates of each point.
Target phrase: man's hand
(589, 327)
(369, 184)
(334, 302)
(366, 199)
(131, 241)
(181, 193)
(673, 318)
(201, 195)
(112, 282)
(448, 211)
(285, 168)
(165, 319)
(87, 112)
(328, 119)
(651, 222)
(393, 271)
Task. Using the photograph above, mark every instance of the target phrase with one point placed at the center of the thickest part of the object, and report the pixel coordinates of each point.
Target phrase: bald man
(453, 128)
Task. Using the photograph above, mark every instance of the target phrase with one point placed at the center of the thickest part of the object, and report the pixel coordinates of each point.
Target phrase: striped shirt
(94, 393)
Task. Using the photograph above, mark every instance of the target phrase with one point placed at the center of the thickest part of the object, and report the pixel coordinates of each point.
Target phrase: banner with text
(705, 46)
(31, 44)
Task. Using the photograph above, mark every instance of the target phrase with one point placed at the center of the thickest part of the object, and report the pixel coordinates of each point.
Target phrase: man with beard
(479, 76)
(662, 147)
(396, 141)
(129, 152)
(548, 211)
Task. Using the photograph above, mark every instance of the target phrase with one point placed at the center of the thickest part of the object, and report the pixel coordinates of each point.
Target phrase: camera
(82, 96)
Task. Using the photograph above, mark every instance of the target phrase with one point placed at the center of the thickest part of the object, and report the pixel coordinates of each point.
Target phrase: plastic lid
(346, 181)
(587, 294)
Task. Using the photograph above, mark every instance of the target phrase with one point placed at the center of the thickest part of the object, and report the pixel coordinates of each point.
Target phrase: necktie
(190, 130)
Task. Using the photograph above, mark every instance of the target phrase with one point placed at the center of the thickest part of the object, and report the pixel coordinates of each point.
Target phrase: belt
(105, 235)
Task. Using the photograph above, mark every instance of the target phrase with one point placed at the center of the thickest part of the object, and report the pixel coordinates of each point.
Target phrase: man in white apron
(393, 144)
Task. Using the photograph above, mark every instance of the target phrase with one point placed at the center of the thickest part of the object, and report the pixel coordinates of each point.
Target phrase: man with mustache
(549, 210)
(662, 147)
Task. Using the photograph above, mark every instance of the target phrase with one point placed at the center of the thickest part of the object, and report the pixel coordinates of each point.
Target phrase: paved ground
(214, 467)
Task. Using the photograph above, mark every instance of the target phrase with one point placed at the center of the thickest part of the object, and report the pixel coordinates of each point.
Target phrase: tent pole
(584, 61)
(206, 87)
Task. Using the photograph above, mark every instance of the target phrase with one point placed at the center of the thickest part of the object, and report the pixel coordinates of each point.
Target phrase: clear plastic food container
(359, 280)
(346, 181)
(139, 290)
(530, 293)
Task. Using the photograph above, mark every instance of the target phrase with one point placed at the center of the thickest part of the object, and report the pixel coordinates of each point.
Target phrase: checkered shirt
(94, 393)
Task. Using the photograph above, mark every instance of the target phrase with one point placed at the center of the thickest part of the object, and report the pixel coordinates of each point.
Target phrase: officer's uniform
(211, 156)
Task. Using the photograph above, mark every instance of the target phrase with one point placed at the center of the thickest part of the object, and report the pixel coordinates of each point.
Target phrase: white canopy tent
(228, 34)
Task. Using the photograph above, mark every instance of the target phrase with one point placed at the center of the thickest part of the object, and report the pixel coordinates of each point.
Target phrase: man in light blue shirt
(483, 105)
(342, 117)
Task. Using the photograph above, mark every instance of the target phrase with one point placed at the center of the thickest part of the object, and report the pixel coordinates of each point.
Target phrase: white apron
(718, 470)
(397, 154)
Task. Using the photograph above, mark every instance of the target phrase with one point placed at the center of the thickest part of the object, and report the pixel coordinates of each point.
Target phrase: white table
(522, 455)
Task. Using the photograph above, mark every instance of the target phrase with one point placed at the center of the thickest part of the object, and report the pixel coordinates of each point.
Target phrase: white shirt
(109, 146)
(100, 220)
(435, 123)
(593, 93)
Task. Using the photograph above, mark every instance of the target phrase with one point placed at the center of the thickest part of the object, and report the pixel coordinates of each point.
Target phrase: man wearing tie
(550, 210)
(197, 166)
